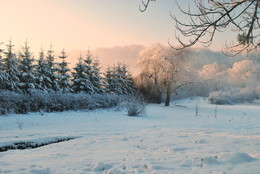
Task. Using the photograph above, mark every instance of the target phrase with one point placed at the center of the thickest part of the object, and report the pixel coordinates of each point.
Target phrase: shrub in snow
(135, 105)
(220, 98)
(58, 101)
(11, 102)
(63, 74)
(244, 95)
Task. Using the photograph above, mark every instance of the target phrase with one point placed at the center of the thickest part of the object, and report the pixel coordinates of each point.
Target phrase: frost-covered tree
(3, 74)
(80, 79)
(11, 69)
(97, 78)
(131, 88)
(151, 60)
(27, 77)
(118, 80)
(93, 72)
(163, 68)
(52, 70)
(108, 80)
(63, 74)
(126, 79)
(121, 79)
(174, 71)
(42, 79)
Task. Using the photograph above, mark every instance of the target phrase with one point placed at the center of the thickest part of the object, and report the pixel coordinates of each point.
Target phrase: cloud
(110, 56)
(211, 71)
(244, 73)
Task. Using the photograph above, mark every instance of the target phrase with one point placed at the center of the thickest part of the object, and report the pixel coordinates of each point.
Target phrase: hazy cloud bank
(111, 56)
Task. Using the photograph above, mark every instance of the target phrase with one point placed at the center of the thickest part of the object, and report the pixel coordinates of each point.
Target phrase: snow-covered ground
(220, 139)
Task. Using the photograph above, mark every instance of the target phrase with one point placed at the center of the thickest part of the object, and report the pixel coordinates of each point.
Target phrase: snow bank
(167, 140)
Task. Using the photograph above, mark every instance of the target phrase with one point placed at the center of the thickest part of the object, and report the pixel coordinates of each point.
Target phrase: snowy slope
(222, 139)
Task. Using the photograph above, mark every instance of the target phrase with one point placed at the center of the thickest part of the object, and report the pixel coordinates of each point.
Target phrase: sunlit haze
(86, 24)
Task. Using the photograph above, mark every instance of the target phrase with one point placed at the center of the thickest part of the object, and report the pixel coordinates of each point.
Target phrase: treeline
(23, 73)
(46, 83)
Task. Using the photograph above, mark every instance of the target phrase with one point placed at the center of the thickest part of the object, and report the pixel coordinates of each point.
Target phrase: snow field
(165, 140)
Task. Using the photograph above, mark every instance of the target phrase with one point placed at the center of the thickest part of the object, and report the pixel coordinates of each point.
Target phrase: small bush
(221, 98)
(135, 105)
(11, 102)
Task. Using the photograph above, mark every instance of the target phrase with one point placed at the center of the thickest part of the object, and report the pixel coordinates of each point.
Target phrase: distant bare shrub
(221, 98)
(234, 96)
(135, 105)
(19, 124)
(196, 107)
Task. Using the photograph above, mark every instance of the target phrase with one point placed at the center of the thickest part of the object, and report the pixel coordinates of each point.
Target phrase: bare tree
(151, 60)
(163, 68)
(173, 68)
(211, 16)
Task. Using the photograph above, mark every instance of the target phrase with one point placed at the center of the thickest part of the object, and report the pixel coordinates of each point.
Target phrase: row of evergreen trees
(23, 73)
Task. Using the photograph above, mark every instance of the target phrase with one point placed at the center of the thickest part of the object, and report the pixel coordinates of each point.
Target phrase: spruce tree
(42, 79)
(97, 78)
(3, 75)
(122, 78)
(11, 69)
(89, 71)
(63, 74)
(80, 79)
(119, 81)
(108, 80)
(26, 67)
(93, 72)
(52, 70)
(112, 82)
(131, 88)
(127, 80)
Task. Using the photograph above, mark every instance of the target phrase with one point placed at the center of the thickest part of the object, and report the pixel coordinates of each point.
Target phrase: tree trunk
(158, 92)
(158, 96)
(168, 95)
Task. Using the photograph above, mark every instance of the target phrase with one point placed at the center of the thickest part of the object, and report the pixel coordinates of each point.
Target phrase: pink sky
(88, 24)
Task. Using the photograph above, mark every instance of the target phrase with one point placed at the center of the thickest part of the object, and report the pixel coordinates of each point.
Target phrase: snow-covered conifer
(97, 76)
(52, 70)
(108, 79)
(93, 71)
(129, 81)
(119, 81)
(63, 74)
(112, 82)
(11, 69)
(80, 79)
(42, 79)
(26, 67)
(3, 74)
